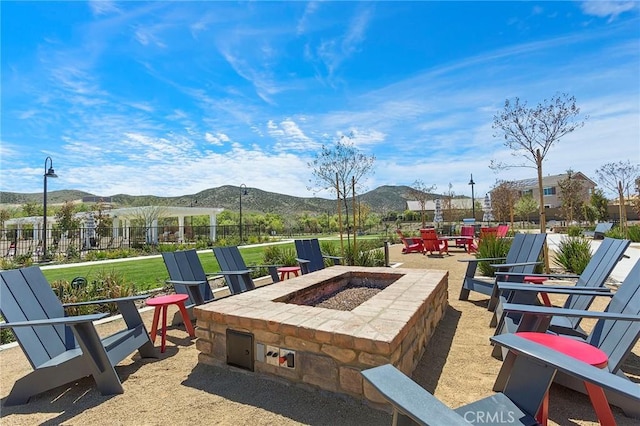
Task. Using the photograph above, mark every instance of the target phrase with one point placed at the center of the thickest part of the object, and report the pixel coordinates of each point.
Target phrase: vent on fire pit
(240, 349)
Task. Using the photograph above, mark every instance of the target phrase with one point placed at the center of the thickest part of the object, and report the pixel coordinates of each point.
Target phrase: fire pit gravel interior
(327, 348)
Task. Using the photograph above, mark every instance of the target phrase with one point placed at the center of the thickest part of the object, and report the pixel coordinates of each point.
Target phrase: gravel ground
(175, 389)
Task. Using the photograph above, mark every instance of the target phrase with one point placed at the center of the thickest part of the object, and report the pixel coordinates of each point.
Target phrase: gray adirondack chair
(518, 402)
(187, 276)
(64, 349)
(522, 258)
(310, 257)
(600, 231)
(606, 257)
(616, 331)
(235, 271)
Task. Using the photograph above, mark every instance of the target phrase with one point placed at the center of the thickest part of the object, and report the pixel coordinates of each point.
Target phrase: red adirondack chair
(411, 245)
(502, 231)
(432, 243)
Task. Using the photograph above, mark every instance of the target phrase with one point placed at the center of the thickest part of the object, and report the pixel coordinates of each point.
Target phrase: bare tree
(619, 178)
(340, 168)
(503, 200)
(531, 132)
(422, 193)
(571, 195)
(148, 215)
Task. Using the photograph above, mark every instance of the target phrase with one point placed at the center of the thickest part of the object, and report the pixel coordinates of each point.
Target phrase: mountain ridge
(382, 200)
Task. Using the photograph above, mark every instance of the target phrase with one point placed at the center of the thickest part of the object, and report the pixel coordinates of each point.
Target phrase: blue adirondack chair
(310, 257)
(187, 276)
(522, 258)
(595, 274)
(64, 349)
(517, 403)
(616, 331)
(235, 271)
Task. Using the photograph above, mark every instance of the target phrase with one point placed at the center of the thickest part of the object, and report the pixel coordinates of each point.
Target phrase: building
(551, 190)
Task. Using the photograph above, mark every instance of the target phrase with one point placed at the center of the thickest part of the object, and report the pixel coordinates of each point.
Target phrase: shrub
(491, 247)
(106, 285)
(369, 253)
(615, 232)
(6, 335)
(278, 255)
(574, 253)
(634, 233)
(574, 231)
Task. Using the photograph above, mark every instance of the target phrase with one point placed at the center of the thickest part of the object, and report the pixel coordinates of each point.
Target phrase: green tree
(599, 204)
(525, 206)
(65, 220)
(32, 209)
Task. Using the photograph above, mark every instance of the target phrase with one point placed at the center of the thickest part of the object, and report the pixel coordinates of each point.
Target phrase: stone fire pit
(275, 331)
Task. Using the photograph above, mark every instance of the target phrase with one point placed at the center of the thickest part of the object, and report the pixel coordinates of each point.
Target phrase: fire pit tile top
(385, 318)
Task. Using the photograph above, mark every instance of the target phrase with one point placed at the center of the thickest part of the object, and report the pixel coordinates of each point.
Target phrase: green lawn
(147, 273)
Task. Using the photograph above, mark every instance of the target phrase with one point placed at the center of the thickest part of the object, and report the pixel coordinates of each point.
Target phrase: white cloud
(103, 7)
(612, 9)
(218, 139)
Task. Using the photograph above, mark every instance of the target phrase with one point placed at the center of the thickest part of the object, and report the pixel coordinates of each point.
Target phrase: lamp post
(473, 200)
(243, 191)
(48, 173)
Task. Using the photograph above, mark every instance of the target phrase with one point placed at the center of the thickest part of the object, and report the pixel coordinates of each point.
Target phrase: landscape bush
(108, 284)
(574, 253)
(491, 247)
(574, 231)
(634, 233)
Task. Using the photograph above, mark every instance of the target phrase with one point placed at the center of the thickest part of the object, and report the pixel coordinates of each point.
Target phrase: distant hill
(381, 200)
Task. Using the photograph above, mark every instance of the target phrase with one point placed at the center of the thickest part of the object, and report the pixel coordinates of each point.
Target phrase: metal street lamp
(473, 200)
(243, 191)
(48, 173)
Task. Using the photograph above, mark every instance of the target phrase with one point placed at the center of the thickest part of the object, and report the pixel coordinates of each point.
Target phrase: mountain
(381, 200)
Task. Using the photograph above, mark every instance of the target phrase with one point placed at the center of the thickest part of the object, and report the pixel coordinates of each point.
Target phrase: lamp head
(51, 173)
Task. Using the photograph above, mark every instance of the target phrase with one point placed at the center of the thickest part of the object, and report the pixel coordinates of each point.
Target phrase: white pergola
(122, 220)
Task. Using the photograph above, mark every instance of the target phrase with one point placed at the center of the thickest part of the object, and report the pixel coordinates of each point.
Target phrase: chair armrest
(55, 321)
(523, 274)
(486, 259)
(581, 291)
(302, 260)
(242, 272)
(409, 398)
(103, 301)
(549, 311)
(581, 370)
(187, 283)
(512, 265)
(337, 260)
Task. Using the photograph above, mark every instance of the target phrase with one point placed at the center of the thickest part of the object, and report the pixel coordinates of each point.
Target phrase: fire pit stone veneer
(329, 348)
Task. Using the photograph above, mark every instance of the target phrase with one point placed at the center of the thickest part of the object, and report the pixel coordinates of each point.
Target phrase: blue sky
(171, 98)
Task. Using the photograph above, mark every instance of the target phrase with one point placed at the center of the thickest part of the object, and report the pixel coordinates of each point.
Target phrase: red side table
(287, 270)
(585, 353)
(162, 302)
(539, 280)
